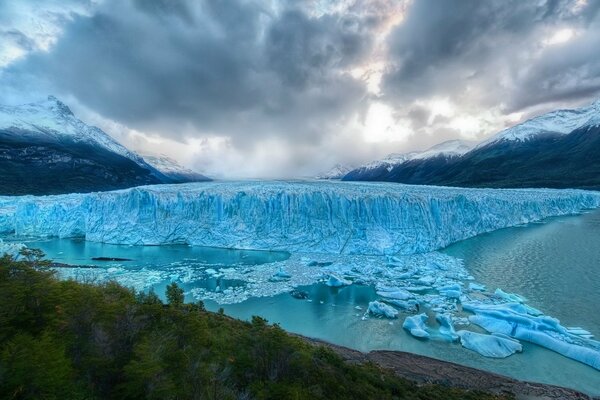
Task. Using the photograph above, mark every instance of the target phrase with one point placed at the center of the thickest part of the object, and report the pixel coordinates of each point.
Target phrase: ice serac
(324, 217)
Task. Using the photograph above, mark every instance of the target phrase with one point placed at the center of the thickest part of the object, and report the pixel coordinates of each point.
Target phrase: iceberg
(381, 309)
(446, 330)
(336, 281)
(416, 326)
(517, 321)
(494, 346)
(395, 293)
(310, 217)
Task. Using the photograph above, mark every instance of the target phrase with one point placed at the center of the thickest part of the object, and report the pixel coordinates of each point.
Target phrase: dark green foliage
(68, 340)
(174, 295)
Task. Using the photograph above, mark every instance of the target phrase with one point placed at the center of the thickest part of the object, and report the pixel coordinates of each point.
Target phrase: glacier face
(324, 217)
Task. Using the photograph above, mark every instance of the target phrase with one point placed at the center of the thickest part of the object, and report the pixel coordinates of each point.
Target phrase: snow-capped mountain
(52, 120)
(173, 169)
(442, 152)
(338, 171)
(559, 149)
(46, 149)
(555, 122)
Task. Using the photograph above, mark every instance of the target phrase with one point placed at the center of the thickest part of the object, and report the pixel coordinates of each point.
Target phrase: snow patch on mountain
(172, 168)
(337, 172)
(555, 122)
(450, 148)
(51, 120)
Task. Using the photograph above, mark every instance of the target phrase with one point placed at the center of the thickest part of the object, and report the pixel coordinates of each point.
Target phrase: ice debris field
(339, 234)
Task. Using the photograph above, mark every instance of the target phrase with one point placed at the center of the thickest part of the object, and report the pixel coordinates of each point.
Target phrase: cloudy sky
(280, 88)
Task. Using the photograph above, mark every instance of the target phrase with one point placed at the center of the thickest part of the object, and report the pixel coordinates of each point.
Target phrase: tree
(174, 295)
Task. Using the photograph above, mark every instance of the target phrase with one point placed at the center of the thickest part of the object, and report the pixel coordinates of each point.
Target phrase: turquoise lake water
(555, 265)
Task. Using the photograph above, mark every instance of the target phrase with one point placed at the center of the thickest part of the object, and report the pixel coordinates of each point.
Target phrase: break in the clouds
(287, 88)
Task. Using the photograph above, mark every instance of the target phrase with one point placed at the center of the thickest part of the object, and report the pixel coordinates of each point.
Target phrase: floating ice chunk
(417, 288)
(477, 287)
(453, 291)
(575, 330)
(408, 305)
(416, 325)
(495, 346)
(427, 280)
(446, 329)
(398, 294)
(281, 274)
(541, 330)
(336, 281)
(210, 271)
(509, 296)
(382, 309)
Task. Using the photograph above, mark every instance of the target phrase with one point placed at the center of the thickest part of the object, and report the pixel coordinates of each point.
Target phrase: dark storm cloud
(233, 68)
(493, 49)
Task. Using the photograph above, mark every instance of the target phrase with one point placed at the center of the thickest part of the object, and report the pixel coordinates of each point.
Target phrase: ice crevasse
(326, 217)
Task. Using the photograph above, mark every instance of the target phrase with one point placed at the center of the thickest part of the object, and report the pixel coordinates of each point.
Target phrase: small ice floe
(380, 309)
(575, 330)
(210, 271)
(395, 293)
(336, 281)
(453, 291)
(281, 275)
(417, 288)
(416, 325)
(494, 345)
(406, 305)
(446, 330)
(358, 308)
(510, 297)
(427, 280)
(477, 287)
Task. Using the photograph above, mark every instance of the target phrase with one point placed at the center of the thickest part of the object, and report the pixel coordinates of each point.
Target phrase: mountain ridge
(46, 149)
(560, 149)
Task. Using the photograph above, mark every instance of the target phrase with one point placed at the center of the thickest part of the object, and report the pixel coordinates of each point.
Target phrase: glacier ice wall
(326, 217)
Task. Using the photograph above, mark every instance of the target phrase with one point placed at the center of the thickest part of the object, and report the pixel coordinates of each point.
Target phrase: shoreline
(427, 370)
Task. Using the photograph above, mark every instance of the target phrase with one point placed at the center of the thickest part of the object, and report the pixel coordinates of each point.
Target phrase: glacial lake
(555, 265)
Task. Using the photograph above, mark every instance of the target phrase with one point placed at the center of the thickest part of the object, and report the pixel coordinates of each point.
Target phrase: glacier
(327, 217)
(338, 234)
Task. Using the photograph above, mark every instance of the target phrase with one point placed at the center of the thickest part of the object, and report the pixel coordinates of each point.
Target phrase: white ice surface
(327, 217)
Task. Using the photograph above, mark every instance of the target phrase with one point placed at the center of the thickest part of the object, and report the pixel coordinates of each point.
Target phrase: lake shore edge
(427, 370)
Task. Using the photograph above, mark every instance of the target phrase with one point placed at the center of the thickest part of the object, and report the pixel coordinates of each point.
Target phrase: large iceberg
(327, 217)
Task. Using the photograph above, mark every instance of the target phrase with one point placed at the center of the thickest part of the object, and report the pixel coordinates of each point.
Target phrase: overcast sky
(279, 88)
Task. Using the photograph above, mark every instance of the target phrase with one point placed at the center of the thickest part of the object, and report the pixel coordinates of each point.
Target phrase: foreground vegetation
(68, 340)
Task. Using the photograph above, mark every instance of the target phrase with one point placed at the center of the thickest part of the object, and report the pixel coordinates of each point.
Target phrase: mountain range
(45, 149)
(560, 149)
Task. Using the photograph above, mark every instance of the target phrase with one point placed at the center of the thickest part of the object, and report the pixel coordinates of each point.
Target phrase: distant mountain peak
(172, 169)
(338, 171)
(59, 106)
(450, 148)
